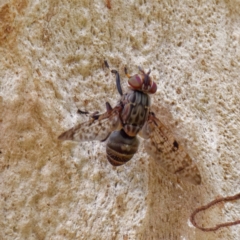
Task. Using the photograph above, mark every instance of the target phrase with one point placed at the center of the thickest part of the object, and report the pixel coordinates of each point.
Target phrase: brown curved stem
(205, 207)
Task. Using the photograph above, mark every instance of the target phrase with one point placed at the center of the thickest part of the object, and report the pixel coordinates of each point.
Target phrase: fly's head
(142, 82)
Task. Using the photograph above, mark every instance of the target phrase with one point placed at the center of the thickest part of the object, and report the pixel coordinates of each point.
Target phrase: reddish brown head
(142, 82)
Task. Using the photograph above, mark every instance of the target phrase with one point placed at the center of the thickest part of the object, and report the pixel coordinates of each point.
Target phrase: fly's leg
(118, 80)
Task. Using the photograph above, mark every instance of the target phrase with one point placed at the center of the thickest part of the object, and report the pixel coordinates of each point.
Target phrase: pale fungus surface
(51, 61)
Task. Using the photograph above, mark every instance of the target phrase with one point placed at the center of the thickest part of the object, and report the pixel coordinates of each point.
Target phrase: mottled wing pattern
(162, 145)
(98, 127)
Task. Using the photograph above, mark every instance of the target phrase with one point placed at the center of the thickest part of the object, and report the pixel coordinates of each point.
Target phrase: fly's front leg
(118, 80)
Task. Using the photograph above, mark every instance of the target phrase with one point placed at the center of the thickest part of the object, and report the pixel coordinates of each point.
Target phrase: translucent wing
(162, 145)
(98, 127)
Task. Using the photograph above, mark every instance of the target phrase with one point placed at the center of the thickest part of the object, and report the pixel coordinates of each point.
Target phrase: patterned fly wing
(98, 127)
(162, 145)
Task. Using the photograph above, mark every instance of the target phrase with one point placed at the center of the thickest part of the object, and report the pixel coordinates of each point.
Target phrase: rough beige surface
(51, 55)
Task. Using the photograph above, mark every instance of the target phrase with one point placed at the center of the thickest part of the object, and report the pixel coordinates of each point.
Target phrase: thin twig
(214, 202)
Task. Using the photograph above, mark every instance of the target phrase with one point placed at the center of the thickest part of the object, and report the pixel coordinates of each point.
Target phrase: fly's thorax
(135, 111)
(121, 147)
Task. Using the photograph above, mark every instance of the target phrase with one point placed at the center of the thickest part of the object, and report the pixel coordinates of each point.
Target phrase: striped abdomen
(121, 148)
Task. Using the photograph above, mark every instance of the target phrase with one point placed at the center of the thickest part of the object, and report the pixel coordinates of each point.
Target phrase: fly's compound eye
(135, 82)
(142, 82)
(153, 87)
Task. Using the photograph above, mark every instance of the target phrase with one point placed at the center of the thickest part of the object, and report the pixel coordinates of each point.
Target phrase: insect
(130, 118)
